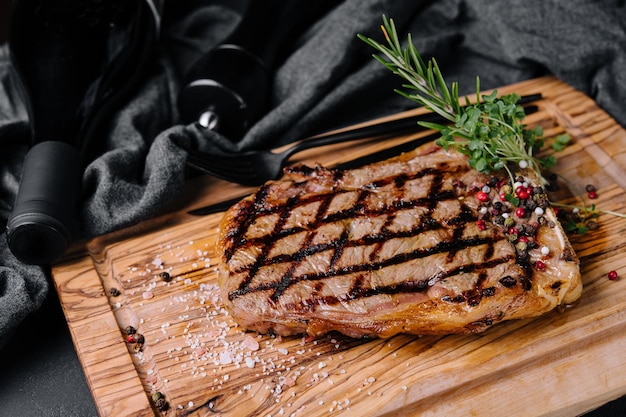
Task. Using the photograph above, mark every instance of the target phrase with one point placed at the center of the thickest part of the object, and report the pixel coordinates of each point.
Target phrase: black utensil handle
(41, 225)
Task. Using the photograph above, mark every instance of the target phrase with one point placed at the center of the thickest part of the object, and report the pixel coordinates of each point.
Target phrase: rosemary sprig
(489, 131)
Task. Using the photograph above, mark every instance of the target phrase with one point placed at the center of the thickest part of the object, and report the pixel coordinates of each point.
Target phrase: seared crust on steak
(399, 246)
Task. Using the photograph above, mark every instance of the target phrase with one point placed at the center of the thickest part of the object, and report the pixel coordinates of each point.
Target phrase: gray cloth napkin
(329, 79)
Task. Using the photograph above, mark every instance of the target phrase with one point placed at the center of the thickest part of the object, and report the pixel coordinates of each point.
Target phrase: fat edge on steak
(399, 246)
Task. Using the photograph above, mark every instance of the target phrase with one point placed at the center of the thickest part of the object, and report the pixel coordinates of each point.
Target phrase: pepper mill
(76, 61)
(228, 89)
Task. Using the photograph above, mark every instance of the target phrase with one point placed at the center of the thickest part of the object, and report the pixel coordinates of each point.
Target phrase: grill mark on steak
(358, 291)
(341, 243)
(410, 286)
(244, 214)
(436, 194)
(474, 295)
(427, 224)
(399, 182)
(286, 279)
(338, 246)
(262, 195)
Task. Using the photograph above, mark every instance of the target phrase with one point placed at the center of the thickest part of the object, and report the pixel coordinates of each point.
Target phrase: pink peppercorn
(613, 275)
(482, 196)
(522, 192)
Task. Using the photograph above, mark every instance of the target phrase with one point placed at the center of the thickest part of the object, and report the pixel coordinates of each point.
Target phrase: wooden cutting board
(561, 364)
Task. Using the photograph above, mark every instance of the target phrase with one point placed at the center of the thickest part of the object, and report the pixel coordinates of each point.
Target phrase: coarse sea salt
(226, 358)
(250, 343)
(250, 362)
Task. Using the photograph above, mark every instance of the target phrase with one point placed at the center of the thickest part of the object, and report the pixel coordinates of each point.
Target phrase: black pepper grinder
(228, 89)
(76, 61)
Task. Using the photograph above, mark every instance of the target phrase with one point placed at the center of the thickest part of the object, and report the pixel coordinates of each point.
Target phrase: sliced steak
(419, 244)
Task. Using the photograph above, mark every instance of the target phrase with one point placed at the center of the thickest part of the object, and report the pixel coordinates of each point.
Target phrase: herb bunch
(489, 131)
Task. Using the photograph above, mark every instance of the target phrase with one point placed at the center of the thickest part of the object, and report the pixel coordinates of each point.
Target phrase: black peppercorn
(114, 292)
(590, 188)
(161, 404)
(166, 276)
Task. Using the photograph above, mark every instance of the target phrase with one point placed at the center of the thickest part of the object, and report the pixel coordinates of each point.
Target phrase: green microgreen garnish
(512, 199)
(489, 131)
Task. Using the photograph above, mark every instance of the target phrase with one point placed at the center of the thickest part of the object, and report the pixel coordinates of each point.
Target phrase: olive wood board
(563, 363)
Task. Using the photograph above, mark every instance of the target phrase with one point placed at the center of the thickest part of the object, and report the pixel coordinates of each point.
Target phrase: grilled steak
(419, 244)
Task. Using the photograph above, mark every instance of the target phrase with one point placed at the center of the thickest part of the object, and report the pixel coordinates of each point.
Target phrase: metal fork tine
(208, 161)
(205, 165)
(200, 161)
(236, 165)
(229, 168)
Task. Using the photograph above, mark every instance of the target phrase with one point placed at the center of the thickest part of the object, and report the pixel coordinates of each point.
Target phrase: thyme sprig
(580, 218)
(489, 131)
